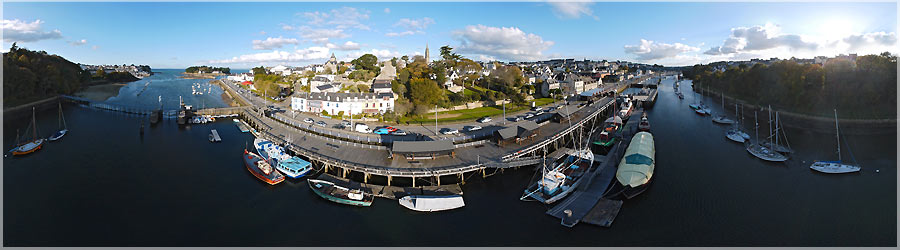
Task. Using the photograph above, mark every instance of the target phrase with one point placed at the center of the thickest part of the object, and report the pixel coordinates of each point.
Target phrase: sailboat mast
(756, 122)
(776, 127)
(33, 125)
(770, 125)
(837, 135)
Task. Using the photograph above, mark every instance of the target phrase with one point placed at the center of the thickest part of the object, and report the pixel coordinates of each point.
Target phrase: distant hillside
(31, 75)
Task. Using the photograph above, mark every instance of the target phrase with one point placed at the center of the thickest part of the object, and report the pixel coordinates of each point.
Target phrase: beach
(100, 92)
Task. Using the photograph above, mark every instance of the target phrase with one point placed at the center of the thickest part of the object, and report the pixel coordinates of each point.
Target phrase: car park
(539, 112)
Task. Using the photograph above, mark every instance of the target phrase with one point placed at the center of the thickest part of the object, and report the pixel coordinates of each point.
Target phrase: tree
(366, 62)
(405, 58)
(425, 93)
(259, 70)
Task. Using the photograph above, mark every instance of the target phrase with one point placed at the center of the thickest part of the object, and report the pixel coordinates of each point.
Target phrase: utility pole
(435, 120)
(504, 111)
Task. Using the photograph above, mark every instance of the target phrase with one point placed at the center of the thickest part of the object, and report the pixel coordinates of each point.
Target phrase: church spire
(427, 56)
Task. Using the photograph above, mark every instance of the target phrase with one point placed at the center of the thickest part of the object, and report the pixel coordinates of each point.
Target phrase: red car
(391, 129)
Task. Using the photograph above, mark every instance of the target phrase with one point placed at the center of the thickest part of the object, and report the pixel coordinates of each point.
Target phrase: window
(638, 159)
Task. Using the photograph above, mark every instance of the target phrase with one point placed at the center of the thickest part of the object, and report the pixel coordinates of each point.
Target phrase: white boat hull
(765, 153)
(431, 203)
(734, 136)
(833, 167)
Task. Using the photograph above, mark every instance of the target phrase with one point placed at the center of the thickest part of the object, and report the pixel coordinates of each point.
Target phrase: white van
(362, 128)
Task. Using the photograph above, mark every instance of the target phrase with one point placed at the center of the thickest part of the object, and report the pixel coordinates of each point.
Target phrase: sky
(244, 35)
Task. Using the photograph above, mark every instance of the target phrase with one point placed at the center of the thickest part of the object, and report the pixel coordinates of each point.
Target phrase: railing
(565, 132)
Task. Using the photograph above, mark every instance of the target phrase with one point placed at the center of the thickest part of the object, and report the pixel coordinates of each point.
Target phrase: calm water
(167, 87)
(104, 185)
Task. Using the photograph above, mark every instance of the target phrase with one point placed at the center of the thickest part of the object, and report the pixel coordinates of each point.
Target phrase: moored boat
(32, 144)
(261, 169)
(339, 194)
(63, 129)
(554, 184)
(430, 203)
(611, 127)
(637, 165)
(762, 152)
(835, 167)
(644, 125)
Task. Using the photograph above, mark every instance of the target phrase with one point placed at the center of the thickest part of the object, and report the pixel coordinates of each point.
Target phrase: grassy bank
(475, 113)
(100, 92)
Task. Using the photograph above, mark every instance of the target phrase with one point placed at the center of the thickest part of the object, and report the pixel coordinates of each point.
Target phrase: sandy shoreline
(100, 92)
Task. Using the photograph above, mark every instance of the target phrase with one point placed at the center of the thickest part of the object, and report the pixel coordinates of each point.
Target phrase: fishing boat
(636, 167)
(835, 167)
(644, 125)
(611, 127)
(291, 166)
(62, 126)
(777, 144)
(763, 152)
(339, 194)
(261, 169)
(32, 144)
(430, 203)
(554, 184)
(626, 108)
(701, 111)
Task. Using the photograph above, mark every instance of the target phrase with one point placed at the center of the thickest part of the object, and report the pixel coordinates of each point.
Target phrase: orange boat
(31, 145)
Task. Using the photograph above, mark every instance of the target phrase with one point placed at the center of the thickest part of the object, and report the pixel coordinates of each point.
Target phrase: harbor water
(104, 184)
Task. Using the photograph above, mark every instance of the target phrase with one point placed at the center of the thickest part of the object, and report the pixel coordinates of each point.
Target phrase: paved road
(387, 72)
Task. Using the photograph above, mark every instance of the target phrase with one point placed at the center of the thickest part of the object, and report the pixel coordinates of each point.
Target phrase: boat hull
(722, 120)
(58, 135)
(29, 147)
(833, 167)
(272, 178)
(735, 137)
(777, 148)
(423, 203)
(326, 190)
(765, 154)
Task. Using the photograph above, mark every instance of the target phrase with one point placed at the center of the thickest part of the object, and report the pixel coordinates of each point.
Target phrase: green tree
(366, 62)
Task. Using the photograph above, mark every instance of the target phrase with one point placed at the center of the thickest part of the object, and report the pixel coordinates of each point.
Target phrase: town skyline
(269, 34)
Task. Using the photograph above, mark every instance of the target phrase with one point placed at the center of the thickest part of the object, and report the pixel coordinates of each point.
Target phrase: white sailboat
(763, 152)
(835, 167)
(722, 119)
(777, 145)
(736, 133)
(62, 126)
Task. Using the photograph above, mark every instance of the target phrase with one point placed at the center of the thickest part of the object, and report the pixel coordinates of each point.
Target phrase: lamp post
(435, 120)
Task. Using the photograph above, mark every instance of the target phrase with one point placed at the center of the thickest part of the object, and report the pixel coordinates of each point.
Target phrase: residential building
(348, 103)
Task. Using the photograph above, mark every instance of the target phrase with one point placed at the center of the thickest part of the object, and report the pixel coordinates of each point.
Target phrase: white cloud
(874, 39)
(382, 54)
(277, 56)
(287, 27)
(395, 34)
(572, 10)
(505, 43)
(346, 46)
(23, 31)
(273, 43)
(321, 36)
(387, 10)
(78, 43)
(342, 18)
(756, 38)
(650, 50)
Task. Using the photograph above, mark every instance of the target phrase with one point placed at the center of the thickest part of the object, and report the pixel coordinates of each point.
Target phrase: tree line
(207, 69)
(30, 76)
(865, 88)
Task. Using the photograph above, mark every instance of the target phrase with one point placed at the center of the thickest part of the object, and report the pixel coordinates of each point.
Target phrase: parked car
(345, 123)
(321, 123)
(484, 119)
(391, 129)
(381, 131)
(449, 131)
(529, 116)
(539, 112)
(398, 132)
(535, 108)
(308, 120)
(473, 128)
(519, 118)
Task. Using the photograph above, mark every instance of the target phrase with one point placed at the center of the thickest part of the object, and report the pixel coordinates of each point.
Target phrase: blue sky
(242, 35)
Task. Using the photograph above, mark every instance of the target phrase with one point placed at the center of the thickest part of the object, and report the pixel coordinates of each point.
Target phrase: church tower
(427, 56)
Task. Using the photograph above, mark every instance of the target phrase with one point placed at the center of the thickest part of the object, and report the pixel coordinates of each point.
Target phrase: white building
(349, 103)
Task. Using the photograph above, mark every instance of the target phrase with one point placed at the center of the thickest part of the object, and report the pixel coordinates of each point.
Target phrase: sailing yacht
(835, 167)
(763, 152)
(736, 133)
(776, 145)
(722, 119)
(62, 126)
(32, 144)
